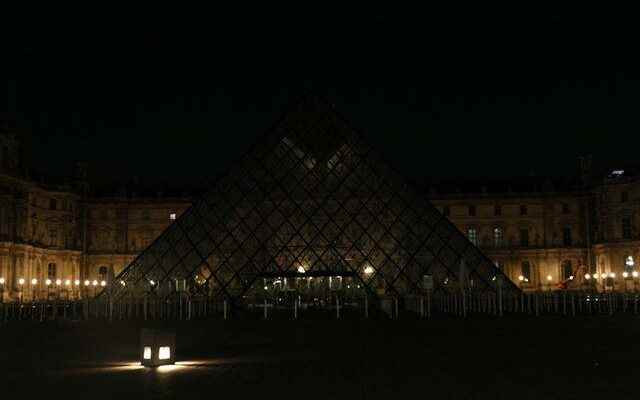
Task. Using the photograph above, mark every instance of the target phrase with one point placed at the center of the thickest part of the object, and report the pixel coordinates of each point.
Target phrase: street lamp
(20, 284)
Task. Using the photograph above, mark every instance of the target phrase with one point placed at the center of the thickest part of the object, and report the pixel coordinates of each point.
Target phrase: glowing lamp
(34, 281)
(1, 281)
(86, 283)
(103, 283)
(587, 276)
(596, 276)
(157, 347)
(94, 283)
(301, 269)
(58, 282)
(521, 278)
(571, 277)
(549, 277)
(625, 274)
(612, 275)
(21, 281)
(67, 282)
(47, 282)
(122, 283)
(635, 274)
(368, 270)
(76, 282)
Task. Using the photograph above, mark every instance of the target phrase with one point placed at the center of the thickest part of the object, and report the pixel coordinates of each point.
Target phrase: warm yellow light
(103, 283)
(47, 282)
(596, 276)
(1, 281)
(152, 282)
(164, 353)
(521, 278)
(301, 269)
(625, 274)
(34, 281)
(549, 277)
(67, 282)
(86, 283)
(368, 270)
(612, 275)
(58, 282)
(147, 353)
(21, 281)
(94, 283)
(76, 282)
(122, 283)
(571, 277)
(635, 274)
(587, 276)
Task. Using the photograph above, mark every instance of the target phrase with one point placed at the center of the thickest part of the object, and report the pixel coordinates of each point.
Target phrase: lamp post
(549, 278)
(587, 279)
(47, 284)
(20, 285)
(95, 285)
(612, 275)
(34, 282)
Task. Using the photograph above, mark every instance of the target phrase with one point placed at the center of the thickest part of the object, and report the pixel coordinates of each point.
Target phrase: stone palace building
(66, 240)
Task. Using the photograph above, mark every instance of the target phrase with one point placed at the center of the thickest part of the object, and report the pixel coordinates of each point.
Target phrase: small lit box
(157, 347)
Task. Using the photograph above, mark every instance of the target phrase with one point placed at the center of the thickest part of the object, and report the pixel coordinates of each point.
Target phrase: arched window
(567, 270)
(51, 271)
(102, 273)
(472, 233)
(526, 271)
(498, 236)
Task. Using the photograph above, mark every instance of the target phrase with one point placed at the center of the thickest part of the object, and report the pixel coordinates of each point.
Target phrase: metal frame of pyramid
(310, 200)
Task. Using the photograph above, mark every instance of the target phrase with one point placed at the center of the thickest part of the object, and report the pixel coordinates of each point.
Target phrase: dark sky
(440, 95)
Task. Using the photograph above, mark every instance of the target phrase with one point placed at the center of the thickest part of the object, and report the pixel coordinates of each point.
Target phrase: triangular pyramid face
(314, 204)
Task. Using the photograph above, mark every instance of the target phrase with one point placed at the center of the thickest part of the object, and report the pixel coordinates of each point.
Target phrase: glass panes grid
(311, 200)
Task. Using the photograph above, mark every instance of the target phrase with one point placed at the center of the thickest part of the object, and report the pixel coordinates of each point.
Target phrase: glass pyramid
(310, 208)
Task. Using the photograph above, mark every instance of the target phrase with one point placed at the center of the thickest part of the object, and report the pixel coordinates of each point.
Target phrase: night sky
(441, 96)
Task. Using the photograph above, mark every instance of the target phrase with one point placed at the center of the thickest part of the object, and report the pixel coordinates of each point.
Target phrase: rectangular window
(147, 353)
(523, 210)
(624, 197)
(526, 271)
(497, 210)
(626, 228)
(472, 211)
(172, 216)
(566, 236)
(472, 233)
(53, 204)
(524, 237)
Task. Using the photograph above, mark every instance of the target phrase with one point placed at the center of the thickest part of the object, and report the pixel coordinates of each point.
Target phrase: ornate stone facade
(548, 236)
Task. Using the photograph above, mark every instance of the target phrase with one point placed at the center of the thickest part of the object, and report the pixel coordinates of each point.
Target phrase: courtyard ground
(476, 358)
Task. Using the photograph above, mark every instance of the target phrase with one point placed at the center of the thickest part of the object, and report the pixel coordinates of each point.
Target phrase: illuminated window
(498, 236)
(147, 353)
(626, 228)
(164, 353)
(472, 233)
(567, 270)
(172, 216)
(566, 236)
(629, 264)
(526, 270)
